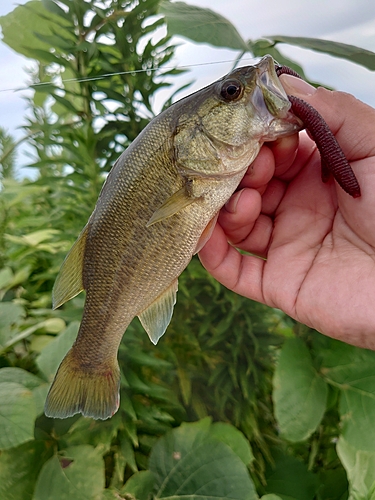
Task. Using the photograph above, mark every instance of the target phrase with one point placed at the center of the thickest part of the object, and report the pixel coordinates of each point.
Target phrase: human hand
(319, 242)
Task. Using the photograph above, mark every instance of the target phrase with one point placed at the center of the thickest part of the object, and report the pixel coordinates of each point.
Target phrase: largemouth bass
(155, 211)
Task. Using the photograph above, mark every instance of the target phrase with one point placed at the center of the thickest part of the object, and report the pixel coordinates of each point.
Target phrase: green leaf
(38, 386)
(50, 324)
(93, 432)
(77, 473)
(52, 355)
(19, 26)
(351, 369)
(289, 478)
(19, 469)
(19, 376)
(360, 468)
(201, 25)
(140, 485)
(40, 396)
(6, 277)
(354, 54)
(334, 484)
(10, 314)
(234, 438)
(126, 452)
(68, 105)
(188, 463)
(17, 415)
(35, 238)
(357, 412)
(299, 394)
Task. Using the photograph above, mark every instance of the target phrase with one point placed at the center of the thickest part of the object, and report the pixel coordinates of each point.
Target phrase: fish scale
(156, 209)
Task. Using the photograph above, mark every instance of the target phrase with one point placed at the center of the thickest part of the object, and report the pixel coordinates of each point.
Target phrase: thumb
(350, 120)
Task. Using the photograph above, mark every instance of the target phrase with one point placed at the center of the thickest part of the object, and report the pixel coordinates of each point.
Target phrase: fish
(157, 208)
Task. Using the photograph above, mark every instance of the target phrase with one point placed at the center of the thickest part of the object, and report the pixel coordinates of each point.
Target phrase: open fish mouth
(271, 103)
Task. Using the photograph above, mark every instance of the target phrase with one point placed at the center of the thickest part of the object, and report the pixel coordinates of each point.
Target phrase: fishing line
(130, 72)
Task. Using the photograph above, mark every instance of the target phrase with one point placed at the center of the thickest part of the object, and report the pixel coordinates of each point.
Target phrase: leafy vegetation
(236, 401)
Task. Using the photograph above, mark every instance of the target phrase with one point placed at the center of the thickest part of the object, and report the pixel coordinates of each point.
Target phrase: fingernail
(296, 86)
(231, 204)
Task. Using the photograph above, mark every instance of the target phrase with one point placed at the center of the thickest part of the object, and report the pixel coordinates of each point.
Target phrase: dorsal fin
(69, 282)
(156, 318)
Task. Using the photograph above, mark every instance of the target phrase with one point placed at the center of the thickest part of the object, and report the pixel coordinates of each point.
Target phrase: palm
(320, 258)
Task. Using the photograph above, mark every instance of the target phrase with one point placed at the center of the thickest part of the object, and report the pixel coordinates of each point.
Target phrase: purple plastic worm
(332, 157)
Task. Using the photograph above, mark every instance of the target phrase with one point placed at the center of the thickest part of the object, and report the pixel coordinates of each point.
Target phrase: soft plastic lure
(332, 157)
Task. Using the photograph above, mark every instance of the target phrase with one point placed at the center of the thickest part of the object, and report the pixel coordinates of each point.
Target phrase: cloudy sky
(348, 21)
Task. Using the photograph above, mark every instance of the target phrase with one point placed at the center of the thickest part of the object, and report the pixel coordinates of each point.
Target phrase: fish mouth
(271, 103)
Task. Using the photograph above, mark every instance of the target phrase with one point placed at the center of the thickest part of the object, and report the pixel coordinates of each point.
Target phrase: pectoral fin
(156, 318)
(69, 283)
(174, 204)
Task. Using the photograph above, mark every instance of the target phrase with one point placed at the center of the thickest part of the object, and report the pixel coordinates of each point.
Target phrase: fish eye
(231, 90)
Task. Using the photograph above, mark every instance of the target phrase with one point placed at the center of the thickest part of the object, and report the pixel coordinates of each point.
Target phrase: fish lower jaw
(283, 127)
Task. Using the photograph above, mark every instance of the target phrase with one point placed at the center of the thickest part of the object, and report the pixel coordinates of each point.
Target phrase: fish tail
(92, 392)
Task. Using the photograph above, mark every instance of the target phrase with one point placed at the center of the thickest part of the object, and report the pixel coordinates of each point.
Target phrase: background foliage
(236, 401)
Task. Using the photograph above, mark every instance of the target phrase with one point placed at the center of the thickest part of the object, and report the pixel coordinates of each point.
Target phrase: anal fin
(156, 318)
(69, 282)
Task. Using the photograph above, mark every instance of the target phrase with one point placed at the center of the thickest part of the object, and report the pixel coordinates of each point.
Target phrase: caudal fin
(94, 393)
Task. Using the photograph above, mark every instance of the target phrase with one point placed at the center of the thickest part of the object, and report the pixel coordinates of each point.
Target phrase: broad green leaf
(334, 484)
(37, 386)
(17, 415)
(201, 25)
(19, 376)
(234, 438)
(140, 485)
(51, 357)
(299, 393)
(6, 276)
(354, 54)
(10, 314)
(77, 473)
(40, 396)
(351, 369)
(289, 478)
(19, 26)
(188, 463)
(360, 468)
(270, 496)
(19, 469)
(357, 412)
(93, 432)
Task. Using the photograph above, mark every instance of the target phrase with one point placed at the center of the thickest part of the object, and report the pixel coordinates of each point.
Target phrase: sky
(347, 21)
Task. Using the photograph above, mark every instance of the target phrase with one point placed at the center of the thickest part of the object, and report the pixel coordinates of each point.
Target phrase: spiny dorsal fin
(174, 204)
(69, 283)
(156, 318)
